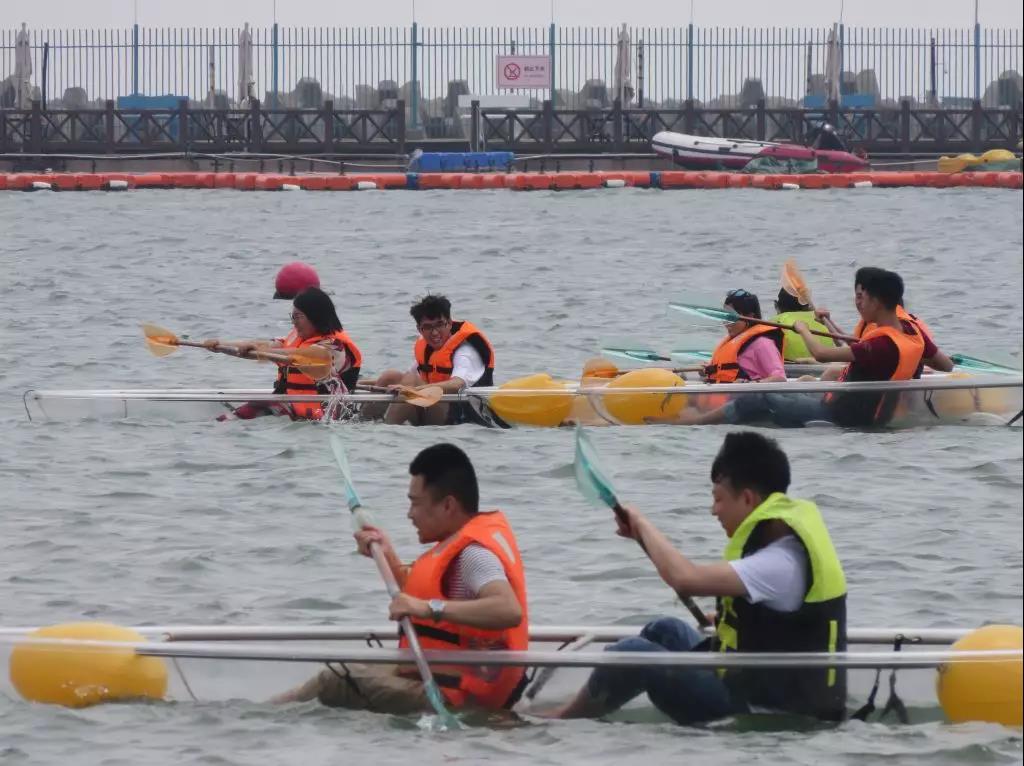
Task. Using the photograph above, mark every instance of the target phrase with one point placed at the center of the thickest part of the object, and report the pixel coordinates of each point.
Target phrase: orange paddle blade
(599, 367)
(793, 282)
(159, 340)
(422, 397)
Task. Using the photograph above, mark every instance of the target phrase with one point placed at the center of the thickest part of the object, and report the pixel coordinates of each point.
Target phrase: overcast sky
(756, 13)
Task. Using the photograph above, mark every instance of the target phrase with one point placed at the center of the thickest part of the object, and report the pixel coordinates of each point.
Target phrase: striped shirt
(472, 569)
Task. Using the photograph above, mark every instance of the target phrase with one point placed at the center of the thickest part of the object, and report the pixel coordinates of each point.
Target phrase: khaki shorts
(378, 688)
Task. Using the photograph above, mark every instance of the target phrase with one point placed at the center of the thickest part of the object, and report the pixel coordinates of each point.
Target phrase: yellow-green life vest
(793, 346)
(819, 625)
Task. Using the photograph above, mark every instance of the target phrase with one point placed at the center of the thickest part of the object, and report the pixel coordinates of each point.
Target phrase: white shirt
(467, 364)
(776, 575)
(473, 568)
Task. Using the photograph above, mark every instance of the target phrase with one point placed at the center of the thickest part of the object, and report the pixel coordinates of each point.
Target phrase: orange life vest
(292, 381)
(435, 366)
(724, 366)
(489, 687)
(910, 344)
(901, 313)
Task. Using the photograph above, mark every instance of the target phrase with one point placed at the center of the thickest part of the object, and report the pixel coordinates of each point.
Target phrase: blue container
(454, 162)
(137, 101)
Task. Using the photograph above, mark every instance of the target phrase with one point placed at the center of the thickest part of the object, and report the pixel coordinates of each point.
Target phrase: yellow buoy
(632, 408)
(960, 402)
(79, 676)
(989, 691)
(541, 409)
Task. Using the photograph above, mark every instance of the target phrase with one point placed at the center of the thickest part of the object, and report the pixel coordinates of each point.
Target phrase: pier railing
(332, 131)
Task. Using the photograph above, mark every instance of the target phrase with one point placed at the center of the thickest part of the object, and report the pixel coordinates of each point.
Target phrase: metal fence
(669, 64)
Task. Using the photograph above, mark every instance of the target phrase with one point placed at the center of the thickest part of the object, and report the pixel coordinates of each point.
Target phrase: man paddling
(781, 588)
(449, 354)
(467, 592)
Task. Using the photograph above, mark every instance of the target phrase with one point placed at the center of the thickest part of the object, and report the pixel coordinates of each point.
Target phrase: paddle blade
(705, 312)
(423, 397)
(351, 496)
(984, 365)
(591, 479)
(700, 355)
(596, 367)
(639, 353)
(793, 282)
(159, 340)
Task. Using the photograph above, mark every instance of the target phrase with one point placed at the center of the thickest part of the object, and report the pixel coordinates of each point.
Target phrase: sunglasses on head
(738, 293)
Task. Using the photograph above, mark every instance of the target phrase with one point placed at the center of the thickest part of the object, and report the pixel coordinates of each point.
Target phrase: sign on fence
(523, 71)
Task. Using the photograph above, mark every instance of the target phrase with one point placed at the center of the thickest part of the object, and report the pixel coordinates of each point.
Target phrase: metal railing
(371, 67)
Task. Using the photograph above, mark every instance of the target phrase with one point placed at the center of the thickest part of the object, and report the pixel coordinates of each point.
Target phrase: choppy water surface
(161, 522)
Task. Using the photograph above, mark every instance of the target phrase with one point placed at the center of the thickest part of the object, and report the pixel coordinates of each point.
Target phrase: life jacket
(901, 313)
(862, 409)
(436, 365)
(793, 345)
(724, 366)
(489, 687)
(819, 625)
(292, 381)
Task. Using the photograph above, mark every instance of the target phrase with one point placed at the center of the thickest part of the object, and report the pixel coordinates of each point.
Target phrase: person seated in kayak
(450, 354)
(937, 361)
(315, 322)
(467, 592)
(748, 352)
(893, 349)
(789, 310)
(780, 588)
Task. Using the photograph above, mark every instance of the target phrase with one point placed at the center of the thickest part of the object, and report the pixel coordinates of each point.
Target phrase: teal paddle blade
(636, 352)
(983, 365)
(591, 479)
(702, 355)
(338, 448)
(706, 312)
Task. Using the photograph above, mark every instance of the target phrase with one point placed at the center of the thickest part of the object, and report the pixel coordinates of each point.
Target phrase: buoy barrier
(559, 181)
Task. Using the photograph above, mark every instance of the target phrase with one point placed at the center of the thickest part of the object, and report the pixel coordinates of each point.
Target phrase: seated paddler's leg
(673, 634)
(376, 410)
(609, 688)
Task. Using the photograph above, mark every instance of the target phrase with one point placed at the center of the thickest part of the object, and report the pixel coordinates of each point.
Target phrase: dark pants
(687, 695)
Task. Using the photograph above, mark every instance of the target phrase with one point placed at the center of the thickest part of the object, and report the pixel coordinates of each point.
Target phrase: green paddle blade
(705, 312)
(638, 353)
(983, 365)
(591, 479)
(702, 355)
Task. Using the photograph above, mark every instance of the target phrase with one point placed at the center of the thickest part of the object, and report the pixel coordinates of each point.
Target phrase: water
(164, 522)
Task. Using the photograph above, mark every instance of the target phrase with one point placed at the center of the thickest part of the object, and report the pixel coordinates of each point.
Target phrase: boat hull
(710, 153)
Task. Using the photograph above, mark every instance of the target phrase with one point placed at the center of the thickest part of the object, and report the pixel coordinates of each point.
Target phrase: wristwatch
(436, 607)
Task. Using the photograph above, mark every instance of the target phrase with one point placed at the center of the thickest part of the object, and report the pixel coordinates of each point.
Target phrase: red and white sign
(523, 71)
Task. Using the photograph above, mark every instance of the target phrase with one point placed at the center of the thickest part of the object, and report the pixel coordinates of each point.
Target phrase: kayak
(710, 153)
(541, 400)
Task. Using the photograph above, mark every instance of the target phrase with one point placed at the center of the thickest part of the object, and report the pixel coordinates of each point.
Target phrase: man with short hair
(781, 588)
(452, 355)
(467, 592)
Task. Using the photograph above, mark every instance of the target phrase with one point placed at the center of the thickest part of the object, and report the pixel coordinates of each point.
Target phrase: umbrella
(23, 69)
(832, 65)
(623, 55)
(245, 79)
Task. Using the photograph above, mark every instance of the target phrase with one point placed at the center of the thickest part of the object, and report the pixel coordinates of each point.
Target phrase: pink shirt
(761, 359)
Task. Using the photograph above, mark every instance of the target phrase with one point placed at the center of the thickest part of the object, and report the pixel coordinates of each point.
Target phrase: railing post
(761, 126)
(474, 127)
(977, 61)
(36, 127)
(617, 124)
(689, 62)
(549, 125)
(135, 58)
(689, 118)
(977, 121)
(905, 126)
(327, 118)
(414, 101)
(551, 56)
(108, 119)
(400, 124)
(833, 113)
(273, 55)
(183, 142)
(255, 128)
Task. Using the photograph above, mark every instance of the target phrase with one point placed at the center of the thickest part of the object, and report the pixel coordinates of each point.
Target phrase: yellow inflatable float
(633, 408)
(549, 407)
(993, 159)
(82, 675)
(984, 691)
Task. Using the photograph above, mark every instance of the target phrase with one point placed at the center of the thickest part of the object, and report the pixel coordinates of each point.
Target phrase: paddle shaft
(698, 615)
(255, 353)
(781, 326)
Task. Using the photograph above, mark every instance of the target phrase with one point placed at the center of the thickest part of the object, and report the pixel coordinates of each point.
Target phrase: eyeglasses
(297, 315)
(427, 327)
(739, 293)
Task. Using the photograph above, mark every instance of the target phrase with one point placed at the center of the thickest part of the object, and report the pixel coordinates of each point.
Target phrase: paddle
(361, 519)
(983, 365)
(314, 361)
(594, 485)
(794, 283)
(418, 397)
(597, 367)
(722, 315)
